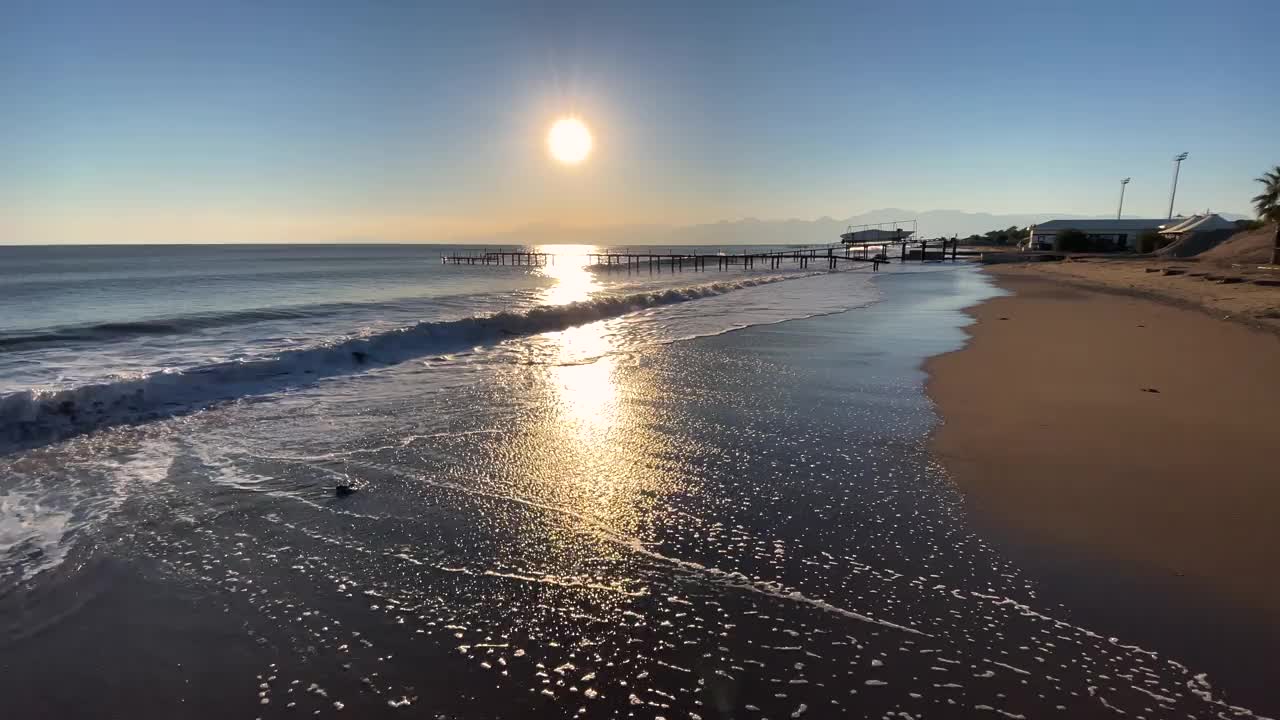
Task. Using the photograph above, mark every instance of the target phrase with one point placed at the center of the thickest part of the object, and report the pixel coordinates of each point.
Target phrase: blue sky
(403, 121)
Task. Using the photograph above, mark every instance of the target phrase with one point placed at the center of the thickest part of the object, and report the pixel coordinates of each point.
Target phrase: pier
(500, 257)
(874, 252)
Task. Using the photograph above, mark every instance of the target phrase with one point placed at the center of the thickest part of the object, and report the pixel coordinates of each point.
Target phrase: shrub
(1071, 240)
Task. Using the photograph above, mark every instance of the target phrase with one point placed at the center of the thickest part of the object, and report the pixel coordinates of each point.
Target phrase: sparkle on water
(695, 530)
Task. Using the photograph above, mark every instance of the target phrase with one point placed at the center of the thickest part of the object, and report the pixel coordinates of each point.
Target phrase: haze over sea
(578, 494)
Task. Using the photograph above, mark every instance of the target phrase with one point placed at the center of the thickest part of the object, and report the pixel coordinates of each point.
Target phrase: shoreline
(1158, 503)
(790, 505)
(1080, 412)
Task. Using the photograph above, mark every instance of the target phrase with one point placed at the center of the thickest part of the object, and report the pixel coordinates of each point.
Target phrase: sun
(569, 141)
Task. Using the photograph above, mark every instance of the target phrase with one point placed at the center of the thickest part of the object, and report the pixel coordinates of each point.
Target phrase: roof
(1103, 226)
(1200, 223)
(876, 235)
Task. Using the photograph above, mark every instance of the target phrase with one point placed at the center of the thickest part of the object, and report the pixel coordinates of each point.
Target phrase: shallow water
(111, 340)
(605, 520)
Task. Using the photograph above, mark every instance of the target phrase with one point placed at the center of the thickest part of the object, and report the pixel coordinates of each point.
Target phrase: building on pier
(883, 232)
(876, 235)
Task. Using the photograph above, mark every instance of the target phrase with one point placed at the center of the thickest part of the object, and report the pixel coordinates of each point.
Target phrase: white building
(1123, 234)
(1119, 233)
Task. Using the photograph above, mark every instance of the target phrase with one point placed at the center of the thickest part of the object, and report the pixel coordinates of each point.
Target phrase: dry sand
(1249, 248)
(1195, 285)
(1052, 431)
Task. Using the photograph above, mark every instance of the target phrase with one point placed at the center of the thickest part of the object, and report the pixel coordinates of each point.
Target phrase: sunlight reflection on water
(574, 281)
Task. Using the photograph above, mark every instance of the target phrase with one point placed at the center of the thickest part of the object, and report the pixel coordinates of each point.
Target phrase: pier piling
(696, 260)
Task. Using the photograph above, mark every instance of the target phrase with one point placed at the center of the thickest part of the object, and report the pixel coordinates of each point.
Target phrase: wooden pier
(500, 257)
(634, 261)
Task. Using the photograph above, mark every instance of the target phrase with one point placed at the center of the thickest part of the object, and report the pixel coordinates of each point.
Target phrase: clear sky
(268, 121)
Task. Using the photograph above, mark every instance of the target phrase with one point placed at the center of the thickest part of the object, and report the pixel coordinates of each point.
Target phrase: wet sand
(1121, 428)
(744, 525)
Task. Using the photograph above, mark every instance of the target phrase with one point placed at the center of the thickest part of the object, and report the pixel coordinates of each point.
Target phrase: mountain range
(754, 231)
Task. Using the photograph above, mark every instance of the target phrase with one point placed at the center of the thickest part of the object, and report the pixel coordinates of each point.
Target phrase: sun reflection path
(581, 372)
(589, 448)
(592, 452)
(574, 282)
(587, 392)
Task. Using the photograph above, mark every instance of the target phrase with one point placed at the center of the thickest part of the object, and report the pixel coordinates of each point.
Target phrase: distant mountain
(753, 231)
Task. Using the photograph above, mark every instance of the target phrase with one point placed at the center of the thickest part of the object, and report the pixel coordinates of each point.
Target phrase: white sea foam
(39, 519)
(31, 534)
(39, 415)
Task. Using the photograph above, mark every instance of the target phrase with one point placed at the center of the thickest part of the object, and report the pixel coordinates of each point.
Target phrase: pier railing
(874, 252)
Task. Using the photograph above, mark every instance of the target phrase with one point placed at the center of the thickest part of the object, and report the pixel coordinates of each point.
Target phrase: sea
(637, 492)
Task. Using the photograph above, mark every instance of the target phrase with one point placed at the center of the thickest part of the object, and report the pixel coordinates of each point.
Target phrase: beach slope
(1139, 431)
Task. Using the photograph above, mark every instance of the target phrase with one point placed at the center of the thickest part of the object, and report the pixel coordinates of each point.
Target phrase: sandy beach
(1225, 293)
(1108, 422)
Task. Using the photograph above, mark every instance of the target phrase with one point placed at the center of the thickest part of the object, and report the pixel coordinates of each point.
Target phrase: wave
(175, 325)
(106, 332)
(39, 416)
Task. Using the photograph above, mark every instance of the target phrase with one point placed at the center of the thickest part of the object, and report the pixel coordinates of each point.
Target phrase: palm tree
(1268, 206)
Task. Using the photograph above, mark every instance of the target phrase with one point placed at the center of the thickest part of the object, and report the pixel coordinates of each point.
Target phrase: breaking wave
(38, 416)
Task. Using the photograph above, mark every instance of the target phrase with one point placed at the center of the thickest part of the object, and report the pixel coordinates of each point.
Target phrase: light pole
(1121, 210)
(1177, 165)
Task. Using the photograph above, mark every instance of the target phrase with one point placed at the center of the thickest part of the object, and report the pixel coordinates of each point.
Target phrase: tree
(1268, 206)
(1011, 235)
(1071, 240)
